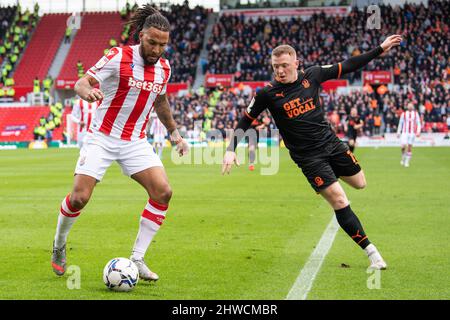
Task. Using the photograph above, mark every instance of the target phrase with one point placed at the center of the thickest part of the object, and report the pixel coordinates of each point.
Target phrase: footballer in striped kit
(82, 114)
(409, 128)
(133, 82)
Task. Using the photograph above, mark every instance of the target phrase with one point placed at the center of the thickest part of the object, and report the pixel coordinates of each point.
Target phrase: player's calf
(150, 222)
(68, 214)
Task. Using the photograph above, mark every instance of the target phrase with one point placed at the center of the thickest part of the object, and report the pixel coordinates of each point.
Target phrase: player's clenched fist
(94, 95)
(228, 160)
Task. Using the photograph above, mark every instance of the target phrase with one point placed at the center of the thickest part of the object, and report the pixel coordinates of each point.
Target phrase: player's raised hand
(228, 160)
(94, 95)
(391, 41)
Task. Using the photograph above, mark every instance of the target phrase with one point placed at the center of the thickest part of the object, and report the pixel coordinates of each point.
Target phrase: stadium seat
(41, 50)
(90, 42)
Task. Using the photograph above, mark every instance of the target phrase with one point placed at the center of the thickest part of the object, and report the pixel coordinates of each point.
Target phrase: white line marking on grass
(305, 279)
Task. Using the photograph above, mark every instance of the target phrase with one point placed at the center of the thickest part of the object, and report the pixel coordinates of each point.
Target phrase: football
(120, 274)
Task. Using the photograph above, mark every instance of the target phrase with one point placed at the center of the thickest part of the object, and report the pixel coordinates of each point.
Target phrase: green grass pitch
(242, 236)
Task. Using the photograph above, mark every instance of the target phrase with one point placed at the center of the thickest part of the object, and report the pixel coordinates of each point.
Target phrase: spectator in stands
(36, 85)
(40, 133)
(112, 43)
(80, 68)
(187, 33)
(67, 34)
(47, 84)
(377, 124)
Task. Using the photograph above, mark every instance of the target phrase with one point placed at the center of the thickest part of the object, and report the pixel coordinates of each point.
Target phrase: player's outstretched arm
(357, 62)
(334, 71)
(256, 106)
(85, 89)
(162, 109)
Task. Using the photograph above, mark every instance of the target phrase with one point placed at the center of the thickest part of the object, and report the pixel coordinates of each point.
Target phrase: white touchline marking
(305, 279)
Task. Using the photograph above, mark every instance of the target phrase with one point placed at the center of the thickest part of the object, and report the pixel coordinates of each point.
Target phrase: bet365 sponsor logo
(145, 85)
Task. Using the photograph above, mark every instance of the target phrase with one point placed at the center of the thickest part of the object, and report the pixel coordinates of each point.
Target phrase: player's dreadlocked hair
(148, 16)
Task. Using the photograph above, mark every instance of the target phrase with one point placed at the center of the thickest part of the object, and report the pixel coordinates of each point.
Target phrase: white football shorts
(80, 138)
(99, 151)
(407, 138)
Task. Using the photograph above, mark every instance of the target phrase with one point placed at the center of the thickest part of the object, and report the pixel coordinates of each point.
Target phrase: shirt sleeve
(334, 71)
(164, 89)
(323, 73)
(106, 66)
(258, 104)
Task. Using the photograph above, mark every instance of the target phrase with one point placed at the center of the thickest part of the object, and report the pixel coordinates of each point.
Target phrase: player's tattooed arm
(162, 109)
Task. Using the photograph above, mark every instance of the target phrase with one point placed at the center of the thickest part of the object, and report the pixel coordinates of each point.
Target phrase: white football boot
(144, 272)
(375, 258)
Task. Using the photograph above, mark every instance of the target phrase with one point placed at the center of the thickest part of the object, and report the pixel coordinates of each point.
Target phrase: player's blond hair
(284, 49)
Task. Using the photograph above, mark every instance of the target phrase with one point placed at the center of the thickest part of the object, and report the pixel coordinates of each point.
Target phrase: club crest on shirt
(305, 83)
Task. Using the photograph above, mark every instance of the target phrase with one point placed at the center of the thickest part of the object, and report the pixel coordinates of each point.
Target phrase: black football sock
(351, 224)
(351, 148)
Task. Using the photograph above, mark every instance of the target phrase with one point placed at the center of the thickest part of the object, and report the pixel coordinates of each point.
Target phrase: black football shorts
(324, 168)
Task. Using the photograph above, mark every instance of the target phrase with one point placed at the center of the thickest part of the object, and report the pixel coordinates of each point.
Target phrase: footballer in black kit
(354, 123)
(293, 100)
(298, 114)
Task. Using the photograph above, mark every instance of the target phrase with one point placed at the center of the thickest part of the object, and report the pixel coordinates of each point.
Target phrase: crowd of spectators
(381, 113)
(199, 113)
(243, 47)
(15, 29)
(420, 66)
(186, 38)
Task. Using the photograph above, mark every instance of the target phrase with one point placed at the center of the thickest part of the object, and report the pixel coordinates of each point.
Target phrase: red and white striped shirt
(130, 89)
(409, 123)
(83, 111)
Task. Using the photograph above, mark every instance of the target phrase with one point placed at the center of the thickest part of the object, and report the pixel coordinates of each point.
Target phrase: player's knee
(164, 194)
(361, 184)
(79, 200)
(340, 202)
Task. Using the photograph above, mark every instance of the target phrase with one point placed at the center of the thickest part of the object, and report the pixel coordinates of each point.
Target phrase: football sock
(352, 226)
(67, 216)
(408, 157)
(251, 156)
(151, 219)
(352, 148)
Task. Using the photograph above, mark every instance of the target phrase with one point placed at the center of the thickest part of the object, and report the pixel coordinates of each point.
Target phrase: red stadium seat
(90, 41)
(41, 50)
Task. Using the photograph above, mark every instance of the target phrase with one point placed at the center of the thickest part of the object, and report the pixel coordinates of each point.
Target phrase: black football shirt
(297, 109)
